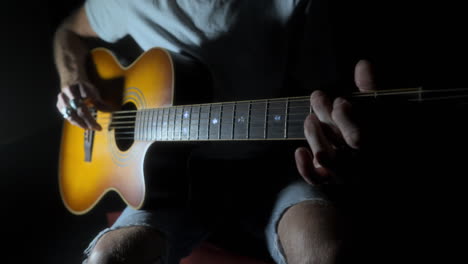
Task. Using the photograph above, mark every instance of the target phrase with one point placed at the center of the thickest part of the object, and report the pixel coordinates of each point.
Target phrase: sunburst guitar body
(92, 163)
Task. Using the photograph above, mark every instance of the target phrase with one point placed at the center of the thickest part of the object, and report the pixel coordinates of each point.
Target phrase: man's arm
(71, 51)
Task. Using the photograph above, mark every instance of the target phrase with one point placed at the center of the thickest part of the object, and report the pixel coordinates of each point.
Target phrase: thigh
(293, 194)
(133, 244)
(181, 230)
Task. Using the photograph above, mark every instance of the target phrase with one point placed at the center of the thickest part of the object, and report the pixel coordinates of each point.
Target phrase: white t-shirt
(243, 42)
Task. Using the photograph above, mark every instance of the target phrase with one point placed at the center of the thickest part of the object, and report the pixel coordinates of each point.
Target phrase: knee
(310, 232)
(128, 245)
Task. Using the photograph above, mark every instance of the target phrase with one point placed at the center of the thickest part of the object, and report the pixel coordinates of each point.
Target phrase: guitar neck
(247, 120)
(269, 119)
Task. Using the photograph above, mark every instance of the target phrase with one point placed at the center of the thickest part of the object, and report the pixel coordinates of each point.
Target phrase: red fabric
(112, 217)
(205, 254)
(210, 254)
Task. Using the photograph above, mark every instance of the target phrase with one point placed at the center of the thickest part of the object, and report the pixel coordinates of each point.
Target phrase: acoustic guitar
(92, 163)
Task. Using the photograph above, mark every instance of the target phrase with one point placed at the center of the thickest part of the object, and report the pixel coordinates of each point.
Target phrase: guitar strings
(252, 118)
(223, 123)
(261, 116)
(118, 115)
(174, 120)
(154, 130)
(167, 113)
(416, 91)
(107, 118)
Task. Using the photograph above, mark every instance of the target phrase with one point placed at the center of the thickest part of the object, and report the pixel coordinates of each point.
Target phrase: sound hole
(123, 123)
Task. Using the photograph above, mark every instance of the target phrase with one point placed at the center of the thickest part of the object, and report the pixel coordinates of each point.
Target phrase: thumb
(364, 76)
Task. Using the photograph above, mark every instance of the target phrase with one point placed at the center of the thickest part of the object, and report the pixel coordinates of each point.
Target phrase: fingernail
(339, 101)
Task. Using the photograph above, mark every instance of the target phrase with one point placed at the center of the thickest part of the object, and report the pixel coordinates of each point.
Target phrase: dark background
(36, 227)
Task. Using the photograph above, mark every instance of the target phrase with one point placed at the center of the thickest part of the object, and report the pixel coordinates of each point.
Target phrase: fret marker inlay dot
(241, 119)
(277, 118)
(215, 121)
(186, 114)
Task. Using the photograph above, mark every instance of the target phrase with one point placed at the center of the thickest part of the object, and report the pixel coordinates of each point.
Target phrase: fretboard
(269, 119)
(247, 120)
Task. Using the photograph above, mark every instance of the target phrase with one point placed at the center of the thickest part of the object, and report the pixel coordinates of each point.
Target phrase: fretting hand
(329, 129)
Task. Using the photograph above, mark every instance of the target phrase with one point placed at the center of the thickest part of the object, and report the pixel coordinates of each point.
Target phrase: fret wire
(142, 126)
(209, 117)
(265, 120)
(192, 120)
(166, 118)
(189, 122)
(248, 120)
(147, 124)
(167, 113)
(153, 125)
(173, 128)
(220, 121)
(160, 124)
(180, 116)
(233, 119)
(163, 132)
(156, 124)
(143, 123)
(286, 119)
(198, 128)
(150, 124)
(182, 124)
(168, 123)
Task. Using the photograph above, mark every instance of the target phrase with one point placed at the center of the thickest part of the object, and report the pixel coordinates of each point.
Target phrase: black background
(416, 43)
(36, 227)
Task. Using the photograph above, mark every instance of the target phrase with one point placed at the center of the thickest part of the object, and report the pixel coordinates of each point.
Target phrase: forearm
(70, 52)
(71, 48)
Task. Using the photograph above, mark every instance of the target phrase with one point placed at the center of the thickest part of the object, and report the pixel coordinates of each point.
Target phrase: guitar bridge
(88, 144)
(89, 140)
